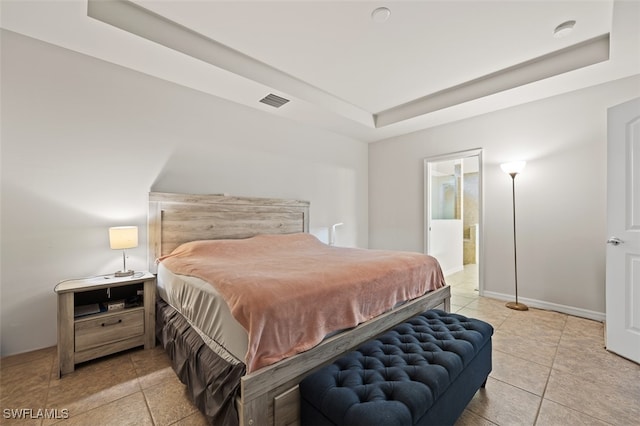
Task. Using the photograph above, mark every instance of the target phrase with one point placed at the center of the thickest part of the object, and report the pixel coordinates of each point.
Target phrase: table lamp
(122, 238)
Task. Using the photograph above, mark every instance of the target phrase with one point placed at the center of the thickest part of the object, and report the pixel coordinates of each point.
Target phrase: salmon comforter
(290, 291)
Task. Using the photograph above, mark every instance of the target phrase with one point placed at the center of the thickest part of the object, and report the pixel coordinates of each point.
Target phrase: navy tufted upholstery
(397, 377)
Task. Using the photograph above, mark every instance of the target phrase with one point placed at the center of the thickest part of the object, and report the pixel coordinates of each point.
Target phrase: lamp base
(123, 273)
(517, 306)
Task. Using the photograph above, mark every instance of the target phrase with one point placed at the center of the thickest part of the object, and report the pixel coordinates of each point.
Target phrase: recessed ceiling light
(381, 14)
(564, 29)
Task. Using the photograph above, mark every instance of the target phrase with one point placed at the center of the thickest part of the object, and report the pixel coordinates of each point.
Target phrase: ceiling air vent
(274, 100)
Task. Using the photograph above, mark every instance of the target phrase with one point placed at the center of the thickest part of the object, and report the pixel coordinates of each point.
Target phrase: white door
(623, 227)
(445, 215)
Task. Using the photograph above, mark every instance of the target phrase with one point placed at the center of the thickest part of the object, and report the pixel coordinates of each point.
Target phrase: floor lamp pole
(515, 305)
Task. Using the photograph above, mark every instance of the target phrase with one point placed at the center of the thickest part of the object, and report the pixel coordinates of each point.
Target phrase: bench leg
(484, 383)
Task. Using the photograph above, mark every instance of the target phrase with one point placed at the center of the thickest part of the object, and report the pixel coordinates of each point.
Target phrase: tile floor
(548, 369)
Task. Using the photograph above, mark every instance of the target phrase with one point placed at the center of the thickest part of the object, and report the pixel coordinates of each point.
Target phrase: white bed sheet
(206, 311)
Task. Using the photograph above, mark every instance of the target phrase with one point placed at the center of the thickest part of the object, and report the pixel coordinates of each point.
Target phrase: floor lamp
(512, 169)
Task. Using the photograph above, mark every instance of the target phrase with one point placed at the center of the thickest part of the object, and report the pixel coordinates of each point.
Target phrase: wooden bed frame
(269, 396)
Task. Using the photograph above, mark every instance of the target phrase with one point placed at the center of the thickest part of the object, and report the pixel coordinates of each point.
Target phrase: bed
(265, 393)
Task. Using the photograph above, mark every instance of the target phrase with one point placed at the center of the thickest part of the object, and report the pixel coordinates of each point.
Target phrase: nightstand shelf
(100, 331)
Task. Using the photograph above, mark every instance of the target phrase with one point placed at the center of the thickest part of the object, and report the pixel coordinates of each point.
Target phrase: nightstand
(103, 315)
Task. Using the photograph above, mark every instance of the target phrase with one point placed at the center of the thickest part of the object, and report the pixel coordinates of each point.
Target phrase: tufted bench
(422, 372)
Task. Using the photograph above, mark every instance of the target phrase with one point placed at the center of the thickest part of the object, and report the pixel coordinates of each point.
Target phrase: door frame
(477, 152)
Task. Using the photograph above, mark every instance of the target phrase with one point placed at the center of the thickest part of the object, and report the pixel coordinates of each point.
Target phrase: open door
(623, 227)
(444, 216)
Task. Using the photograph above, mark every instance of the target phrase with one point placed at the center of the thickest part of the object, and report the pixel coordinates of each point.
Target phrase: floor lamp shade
(122, 238)
(512, 169)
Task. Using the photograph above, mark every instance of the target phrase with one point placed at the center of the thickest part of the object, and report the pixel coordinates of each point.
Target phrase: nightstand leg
(149, 314)
(65, 333)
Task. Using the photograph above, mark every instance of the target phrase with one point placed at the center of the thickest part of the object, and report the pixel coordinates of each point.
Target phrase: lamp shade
(513, 167)
(123, 237)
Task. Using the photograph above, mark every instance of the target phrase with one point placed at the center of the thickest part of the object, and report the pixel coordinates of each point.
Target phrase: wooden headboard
(179, 218)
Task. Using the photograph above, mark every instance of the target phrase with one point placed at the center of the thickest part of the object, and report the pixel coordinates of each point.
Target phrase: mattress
(287, 291)
(206, 311)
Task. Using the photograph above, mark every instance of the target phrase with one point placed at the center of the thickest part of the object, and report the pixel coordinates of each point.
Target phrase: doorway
(453, 214)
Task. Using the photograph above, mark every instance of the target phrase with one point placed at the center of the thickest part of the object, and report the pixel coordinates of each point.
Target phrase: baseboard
(453, 270)
(541, 304)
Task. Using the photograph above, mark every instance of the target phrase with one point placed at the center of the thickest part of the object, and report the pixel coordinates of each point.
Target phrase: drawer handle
(105, 324)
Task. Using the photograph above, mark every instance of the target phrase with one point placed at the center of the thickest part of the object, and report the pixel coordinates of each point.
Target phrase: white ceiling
(340, 69)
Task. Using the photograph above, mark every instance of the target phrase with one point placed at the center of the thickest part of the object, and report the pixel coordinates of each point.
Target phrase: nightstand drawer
(93, 332)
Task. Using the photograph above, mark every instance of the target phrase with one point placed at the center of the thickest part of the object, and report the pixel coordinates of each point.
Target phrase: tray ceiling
(429, 63)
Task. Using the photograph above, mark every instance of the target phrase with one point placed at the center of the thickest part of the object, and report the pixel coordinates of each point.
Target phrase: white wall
(560, 197)
(84, 141)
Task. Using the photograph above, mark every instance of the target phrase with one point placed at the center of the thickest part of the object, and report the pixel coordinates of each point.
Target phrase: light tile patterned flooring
(548, 369)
